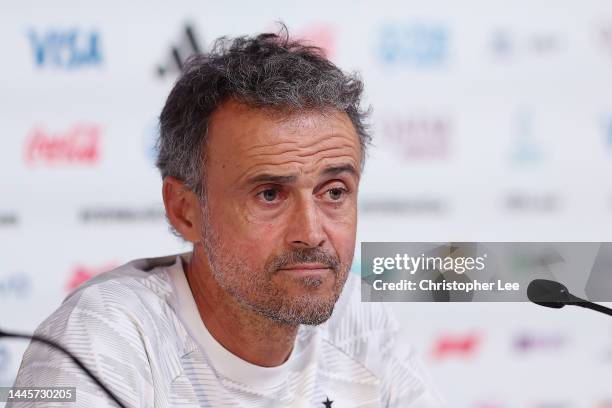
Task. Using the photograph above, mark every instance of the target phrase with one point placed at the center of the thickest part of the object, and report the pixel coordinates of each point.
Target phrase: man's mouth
(307, 269)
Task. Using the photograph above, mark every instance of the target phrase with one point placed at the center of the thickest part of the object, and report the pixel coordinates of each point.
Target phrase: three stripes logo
(179, 52)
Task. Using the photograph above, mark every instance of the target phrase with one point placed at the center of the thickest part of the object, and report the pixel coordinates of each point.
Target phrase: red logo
(320, 35)
(464, 346)
(79, 144)
(81, 274)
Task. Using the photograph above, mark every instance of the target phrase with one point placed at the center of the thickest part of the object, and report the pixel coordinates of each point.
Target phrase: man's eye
(269, 194)
(336, 193)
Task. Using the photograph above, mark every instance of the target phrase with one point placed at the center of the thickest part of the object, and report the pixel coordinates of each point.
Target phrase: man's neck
(245, 333)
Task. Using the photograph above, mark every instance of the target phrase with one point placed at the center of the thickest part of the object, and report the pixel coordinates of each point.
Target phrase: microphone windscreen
(547, 293)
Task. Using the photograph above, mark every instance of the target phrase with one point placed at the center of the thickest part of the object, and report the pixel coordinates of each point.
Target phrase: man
(261, 149)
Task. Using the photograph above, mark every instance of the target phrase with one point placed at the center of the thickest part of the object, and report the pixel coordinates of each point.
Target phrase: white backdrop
(492, 122)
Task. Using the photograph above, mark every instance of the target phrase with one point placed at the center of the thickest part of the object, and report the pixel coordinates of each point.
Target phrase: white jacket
(138, 328)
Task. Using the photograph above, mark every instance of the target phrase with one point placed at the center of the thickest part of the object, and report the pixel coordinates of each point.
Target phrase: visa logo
(70, 48)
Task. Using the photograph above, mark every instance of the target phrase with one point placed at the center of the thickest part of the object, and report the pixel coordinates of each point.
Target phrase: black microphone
(53, 344)
(553, 294)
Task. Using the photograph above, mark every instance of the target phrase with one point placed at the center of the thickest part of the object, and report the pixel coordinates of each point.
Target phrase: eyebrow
(288, 179)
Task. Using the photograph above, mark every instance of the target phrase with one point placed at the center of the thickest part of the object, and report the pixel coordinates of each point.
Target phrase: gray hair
(266, 71)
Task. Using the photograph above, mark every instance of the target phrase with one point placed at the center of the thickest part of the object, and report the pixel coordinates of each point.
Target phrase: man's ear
(182, 209)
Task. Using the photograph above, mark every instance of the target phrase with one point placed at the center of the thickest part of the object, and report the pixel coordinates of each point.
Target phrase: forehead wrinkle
(257, 154)
(299, 153)
(321, 140)
(250, 169)
(323, 150)
(324, 139)
(326, 153)
(264, 145)
(350, 160)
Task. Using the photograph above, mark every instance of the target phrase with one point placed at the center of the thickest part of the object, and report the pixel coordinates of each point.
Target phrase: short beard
(263, 297)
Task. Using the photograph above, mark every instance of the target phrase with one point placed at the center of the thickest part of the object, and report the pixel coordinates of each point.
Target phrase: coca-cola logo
(79, 144)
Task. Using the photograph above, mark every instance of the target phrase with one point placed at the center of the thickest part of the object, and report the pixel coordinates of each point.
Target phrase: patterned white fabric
(138, 328)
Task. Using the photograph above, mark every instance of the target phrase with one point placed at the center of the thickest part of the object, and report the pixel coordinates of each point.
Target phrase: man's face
(281, 210)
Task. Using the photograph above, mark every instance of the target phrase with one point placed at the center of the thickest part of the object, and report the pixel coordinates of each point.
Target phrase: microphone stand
(576, 301)
(53, 344)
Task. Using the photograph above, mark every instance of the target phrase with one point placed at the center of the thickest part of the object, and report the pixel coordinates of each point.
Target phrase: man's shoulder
(135, 293)
(135, 282)
(120, 326)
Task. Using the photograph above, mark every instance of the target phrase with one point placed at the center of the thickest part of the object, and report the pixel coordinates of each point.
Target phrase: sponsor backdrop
(492, 122)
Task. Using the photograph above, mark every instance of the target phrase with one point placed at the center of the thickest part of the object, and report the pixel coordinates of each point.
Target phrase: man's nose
(305, 228)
